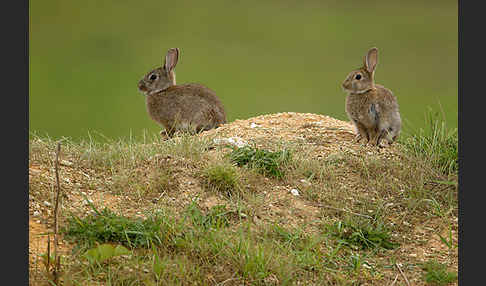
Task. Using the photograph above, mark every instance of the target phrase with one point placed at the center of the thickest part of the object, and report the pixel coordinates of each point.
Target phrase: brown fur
(188, 107)
(372, 108)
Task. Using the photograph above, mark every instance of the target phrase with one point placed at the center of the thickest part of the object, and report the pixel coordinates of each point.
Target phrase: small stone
(294, 192)
(253, 125)
(36, 213)
(47, 204)
(304, 181)
(66, 163)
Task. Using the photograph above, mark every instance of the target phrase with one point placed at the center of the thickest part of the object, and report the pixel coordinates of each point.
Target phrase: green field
(86, 58)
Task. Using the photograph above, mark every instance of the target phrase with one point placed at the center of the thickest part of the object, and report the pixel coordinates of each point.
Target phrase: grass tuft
(437, 273)
(106, 226)
(438, 144)
(223, 178)
(266, 162)
(362, 234)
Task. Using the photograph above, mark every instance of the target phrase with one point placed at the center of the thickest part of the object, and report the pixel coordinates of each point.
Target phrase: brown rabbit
(187, 107)
(372, 108)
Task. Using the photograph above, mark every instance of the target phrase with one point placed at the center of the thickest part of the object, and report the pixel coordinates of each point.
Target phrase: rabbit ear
(371, 60)
(171, 59)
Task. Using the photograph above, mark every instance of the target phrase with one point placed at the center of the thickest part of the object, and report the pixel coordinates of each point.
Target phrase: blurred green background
(260, 57)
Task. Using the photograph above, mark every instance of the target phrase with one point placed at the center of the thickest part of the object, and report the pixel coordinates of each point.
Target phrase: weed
(223, 179)
(362, 234)
(103, 252)
(106, 226)
(437, 273)
(438, 144)
(448, 241)
(217, 217)
(266, 162)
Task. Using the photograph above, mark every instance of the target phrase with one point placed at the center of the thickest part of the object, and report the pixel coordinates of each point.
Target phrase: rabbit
(372, 108)
(189, 107)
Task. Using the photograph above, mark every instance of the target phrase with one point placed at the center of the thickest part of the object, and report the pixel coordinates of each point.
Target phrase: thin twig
(403, 274)
(56, 208)
(227, 280)
(48, 252)
(343, 210)
(393, 283)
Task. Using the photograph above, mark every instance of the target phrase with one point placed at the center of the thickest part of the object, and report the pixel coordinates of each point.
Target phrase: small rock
(294, 192)
(253, 125)
(304, 181)
(47, 204)
(66, 163)
(36, 213)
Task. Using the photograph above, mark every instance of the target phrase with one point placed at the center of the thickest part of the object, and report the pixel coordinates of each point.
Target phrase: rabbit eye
(358, 77)
(153, 77)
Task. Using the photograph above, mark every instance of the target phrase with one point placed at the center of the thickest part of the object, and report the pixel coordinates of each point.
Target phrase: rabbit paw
(164, 135)
(357, 138)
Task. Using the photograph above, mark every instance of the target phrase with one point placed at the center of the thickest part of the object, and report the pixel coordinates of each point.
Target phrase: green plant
(448, 240)
(217, 217)
(437, 273)
(223, 179)
(266, 162)
(438, 144)
(362, 235)
(103, 252)
(106, 226)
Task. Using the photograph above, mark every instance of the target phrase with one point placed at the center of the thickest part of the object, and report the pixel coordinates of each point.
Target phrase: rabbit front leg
(361, 132)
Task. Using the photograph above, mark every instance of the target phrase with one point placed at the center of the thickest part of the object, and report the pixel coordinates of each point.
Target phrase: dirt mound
(315, 138)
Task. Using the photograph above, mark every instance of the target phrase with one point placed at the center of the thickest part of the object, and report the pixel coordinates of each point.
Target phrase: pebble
(36, 213)
(47, 204)
(295, 192)
(304, 181)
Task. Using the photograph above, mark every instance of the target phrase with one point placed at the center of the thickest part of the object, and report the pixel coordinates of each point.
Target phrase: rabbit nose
(141, 85)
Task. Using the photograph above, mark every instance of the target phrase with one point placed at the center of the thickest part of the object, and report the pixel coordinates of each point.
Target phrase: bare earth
(320, 134)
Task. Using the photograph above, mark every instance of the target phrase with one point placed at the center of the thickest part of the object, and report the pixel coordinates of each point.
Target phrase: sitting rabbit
(189, 107)
(372, 108)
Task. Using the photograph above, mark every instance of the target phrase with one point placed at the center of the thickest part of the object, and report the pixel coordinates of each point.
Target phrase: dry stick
(56, 207)
(393, 283)
(343, 210)
(48, 252)
(401, 272)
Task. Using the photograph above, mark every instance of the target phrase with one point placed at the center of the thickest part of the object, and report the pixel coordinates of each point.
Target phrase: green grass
(358, 212)
(106, 226)
(437, 273)
(266, 162)
(362, 234)
(437, 144)
(223, 179)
